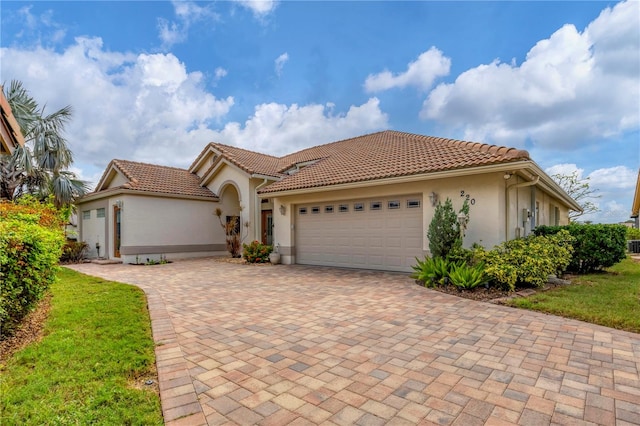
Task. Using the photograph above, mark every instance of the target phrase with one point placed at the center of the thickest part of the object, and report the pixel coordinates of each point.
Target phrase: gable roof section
(387, 154)
(10, 133)
(152, 178)
(249, 161)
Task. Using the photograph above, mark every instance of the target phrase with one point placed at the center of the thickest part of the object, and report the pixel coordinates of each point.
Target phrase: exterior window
(302, 210)
(413, 204)
(100, 213)
(393, 204)
(86, 214)
(328, 209)
(556, 212)
(265, 201)
(343, 208)
(376, 205)
(315, 210)
(358, 207)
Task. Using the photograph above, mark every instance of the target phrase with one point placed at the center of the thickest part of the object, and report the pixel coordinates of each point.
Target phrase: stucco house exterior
(363, 202)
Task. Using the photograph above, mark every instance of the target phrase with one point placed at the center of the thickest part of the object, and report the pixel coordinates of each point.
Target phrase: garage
(377, 233)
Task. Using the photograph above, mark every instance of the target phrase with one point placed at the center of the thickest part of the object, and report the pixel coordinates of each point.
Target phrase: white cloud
(220, 72)
(565, 169)
(40, 28)
(572, 87)
(187, 12)
(279, 63)
(618, 177)
(280, 129)
(141, 107)
(259, 8)
(420, 73)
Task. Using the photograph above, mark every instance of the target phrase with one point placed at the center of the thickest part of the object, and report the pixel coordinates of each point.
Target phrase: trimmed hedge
(31, 240)
(596, 246)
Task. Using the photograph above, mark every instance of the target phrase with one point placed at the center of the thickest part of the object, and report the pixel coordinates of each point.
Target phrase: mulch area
(30, 331)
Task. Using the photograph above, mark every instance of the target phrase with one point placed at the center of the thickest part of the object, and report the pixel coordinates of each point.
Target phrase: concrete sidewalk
(276, 345)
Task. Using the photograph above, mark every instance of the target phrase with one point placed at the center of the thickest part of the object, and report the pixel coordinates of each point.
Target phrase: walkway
(276, 345)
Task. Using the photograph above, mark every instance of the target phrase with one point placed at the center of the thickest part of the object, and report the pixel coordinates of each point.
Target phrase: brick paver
(274, 345)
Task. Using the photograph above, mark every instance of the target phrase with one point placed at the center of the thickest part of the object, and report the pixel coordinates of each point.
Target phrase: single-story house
(364, 202)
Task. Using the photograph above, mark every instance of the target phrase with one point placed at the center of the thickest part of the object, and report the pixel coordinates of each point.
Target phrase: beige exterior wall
(155, 226)
(94, 230)
(230, 176)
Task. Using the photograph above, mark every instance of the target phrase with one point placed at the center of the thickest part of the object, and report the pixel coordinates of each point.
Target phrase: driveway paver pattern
(276, 345)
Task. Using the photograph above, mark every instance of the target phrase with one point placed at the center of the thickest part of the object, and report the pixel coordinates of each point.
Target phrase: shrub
(31, 240)
(467, 277)
(73, 251)
(595, 247)
(527, 260)
(444, 230)
(256, 252)
(633, 233)
(433, 271)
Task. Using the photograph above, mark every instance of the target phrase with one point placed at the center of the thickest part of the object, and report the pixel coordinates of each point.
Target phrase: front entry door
(116, 231)
(267, 227)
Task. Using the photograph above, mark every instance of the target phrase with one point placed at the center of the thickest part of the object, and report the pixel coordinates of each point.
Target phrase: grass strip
(97, 342)
(610, 298)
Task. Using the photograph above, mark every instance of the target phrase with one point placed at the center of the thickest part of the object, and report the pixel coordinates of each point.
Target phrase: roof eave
(125, 191)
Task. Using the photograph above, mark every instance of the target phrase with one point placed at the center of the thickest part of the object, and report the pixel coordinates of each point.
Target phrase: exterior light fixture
(283, 209)
(462, 221)
(507, 176)
(433, 197)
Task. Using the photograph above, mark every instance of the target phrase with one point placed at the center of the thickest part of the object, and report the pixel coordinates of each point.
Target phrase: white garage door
(380, 233)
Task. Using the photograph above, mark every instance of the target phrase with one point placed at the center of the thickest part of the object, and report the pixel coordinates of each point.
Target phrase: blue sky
(156, 81)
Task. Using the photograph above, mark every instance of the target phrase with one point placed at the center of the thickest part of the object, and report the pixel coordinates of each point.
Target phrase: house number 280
(467, 197)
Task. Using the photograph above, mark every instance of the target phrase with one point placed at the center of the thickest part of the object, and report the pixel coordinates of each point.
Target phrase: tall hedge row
(595, 246)
(31, 240)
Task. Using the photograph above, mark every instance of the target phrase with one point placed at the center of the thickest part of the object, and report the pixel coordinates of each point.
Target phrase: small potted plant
(274, 257)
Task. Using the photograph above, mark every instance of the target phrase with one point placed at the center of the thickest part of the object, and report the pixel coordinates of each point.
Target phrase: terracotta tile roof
(153, 178)
(250, 161)
(387, 154)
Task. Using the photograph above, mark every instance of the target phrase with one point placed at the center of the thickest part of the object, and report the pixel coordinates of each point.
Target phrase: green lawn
(97, 342)
(611, 298)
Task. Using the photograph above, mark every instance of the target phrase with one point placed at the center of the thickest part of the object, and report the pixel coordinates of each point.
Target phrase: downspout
(506, 203)
(258, 210)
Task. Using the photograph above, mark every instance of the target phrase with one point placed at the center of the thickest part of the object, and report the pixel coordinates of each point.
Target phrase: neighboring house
(364, 202)
(635, 207)
(10, 133)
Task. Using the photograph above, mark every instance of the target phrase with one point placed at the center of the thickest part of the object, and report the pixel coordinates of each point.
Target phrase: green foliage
(87, 369)
(444, 229)
(609, 299)
(433, 272)
(31, 243)
(467, 277)
(595, 247)
(73, 252)
(633, 233)
(527, 260)
(256, 252)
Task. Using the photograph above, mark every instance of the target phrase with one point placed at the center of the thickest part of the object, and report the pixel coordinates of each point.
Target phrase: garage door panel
(387, 239)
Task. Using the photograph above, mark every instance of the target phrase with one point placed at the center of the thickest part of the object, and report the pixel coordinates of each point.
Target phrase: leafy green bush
(527, 260)
(467, 277)
(595, 247)
(433, 272)
(31, 240)
(633, 233)
(256, 252)
(73, 252)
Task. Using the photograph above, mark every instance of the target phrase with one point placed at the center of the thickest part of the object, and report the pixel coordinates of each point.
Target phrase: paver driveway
(279, 345)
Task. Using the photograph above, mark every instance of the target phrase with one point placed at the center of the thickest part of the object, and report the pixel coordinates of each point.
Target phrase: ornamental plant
(444, 230)
(256, 252)
(527, 261)
(31, 240)
(467, 277)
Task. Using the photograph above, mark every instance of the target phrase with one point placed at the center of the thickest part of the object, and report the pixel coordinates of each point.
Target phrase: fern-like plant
(467, 277)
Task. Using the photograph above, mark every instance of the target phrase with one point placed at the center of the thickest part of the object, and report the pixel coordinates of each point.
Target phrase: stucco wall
(486, 224)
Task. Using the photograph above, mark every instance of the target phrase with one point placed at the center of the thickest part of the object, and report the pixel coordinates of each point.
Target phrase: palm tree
(40, 166)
